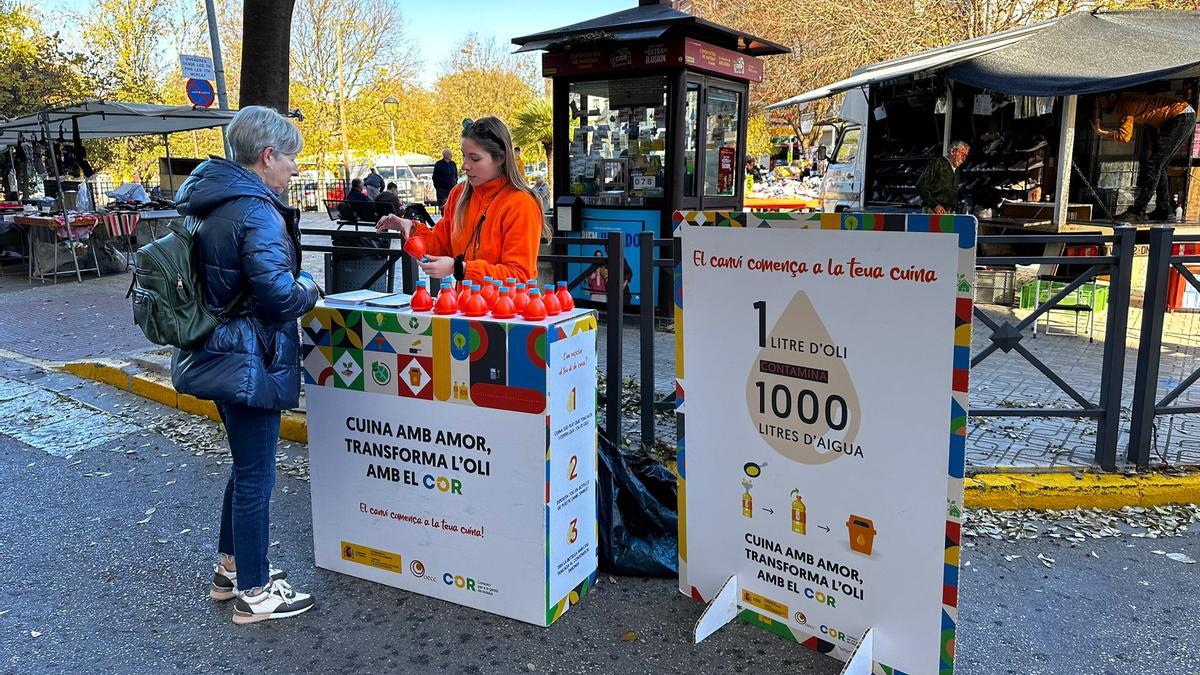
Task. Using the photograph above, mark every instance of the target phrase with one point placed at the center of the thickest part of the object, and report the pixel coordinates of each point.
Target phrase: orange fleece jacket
(1146, 109)
(508, 244)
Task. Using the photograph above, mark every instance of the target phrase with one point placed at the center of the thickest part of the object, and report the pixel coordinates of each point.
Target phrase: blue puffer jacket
(248, 240)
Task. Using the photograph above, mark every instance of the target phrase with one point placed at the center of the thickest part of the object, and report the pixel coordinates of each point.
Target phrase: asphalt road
(88, 589)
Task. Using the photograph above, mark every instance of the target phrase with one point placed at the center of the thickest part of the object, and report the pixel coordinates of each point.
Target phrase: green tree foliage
(38, 72)
(534, 132)
(479, 79)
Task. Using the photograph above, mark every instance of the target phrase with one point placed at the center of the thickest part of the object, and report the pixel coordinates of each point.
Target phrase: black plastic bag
(639, 524)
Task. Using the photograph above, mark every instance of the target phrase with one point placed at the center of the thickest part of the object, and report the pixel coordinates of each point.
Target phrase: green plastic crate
(1082, 295)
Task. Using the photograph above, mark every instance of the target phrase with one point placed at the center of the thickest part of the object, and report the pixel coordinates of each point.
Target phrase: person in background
(445, 177)
(520, 163)
(493, 223)
(938, 184)
(248, 244)
(373, 184)
(542, 190)
(390, 196)
(1171, 121)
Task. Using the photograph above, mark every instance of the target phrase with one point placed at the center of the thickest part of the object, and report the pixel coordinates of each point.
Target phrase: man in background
(391, 197)
(938, 184)
(520, 162)
(373, 183)
(1171, 121)
(445, 177)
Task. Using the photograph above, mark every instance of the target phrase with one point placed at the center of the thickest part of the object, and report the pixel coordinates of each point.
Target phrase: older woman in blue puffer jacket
(249, 249)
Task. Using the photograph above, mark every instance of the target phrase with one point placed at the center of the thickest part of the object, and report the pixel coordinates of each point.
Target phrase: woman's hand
(438, 266)
(393, 222)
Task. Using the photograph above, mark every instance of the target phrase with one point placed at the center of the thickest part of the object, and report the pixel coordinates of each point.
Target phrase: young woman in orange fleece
(492, 223)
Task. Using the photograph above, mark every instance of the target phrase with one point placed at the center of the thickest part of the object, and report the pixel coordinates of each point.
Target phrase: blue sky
(439, 25)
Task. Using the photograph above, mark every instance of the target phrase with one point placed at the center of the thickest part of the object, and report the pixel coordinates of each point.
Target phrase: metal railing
(1007, 336)
(1147, 407)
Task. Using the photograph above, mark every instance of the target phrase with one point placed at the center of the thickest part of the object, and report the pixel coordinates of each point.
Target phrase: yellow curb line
(1060, 491)
(292, 426)
(1001, 491)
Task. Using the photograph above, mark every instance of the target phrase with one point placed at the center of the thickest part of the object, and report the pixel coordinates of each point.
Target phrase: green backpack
(168, 298)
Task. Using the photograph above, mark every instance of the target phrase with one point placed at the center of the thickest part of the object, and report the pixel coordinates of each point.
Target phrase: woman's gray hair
(256, 128)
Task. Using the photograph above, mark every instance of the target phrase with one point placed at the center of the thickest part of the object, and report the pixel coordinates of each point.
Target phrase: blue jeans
(246, 511)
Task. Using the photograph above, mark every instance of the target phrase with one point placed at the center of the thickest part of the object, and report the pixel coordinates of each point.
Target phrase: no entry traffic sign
(200, 92)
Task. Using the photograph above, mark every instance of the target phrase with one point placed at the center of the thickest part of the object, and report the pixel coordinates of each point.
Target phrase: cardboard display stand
(455, 457)
(822, 389)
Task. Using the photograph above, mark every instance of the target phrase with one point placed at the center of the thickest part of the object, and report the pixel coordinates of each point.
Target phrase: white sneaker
(276, 601)
(224, 582)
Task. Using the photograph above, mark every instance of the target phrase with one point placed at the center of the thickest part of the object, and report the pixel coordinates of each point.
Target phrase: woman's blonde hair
(492, 135)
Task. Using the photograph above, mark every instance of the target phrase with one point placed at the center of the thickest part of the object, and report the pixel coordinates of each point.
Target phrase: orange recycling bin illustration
(862, 534)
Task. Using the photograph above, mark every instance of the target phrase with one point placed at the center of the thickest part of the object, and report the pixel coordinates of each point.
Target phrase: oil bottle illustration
(799, 514)
(747, 500)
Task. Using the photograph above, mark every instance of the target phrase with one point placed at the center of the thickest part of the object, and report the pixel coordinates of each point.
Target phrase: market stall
(48, 146)
(1023, 99)
(650, 114)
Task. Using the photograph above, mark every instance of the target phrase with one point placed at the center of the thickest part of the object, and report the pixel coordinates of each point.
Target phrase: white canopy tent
(110, 119)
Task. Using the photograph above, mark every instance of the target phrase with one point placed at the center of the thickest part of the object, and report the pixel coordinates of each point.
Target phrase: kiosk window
(617, 148)
(721, 143)
(691, 139)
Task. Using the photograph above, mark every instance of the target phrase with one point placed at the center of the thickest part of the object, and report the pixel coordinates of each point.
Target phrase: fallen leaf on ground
(629, 636)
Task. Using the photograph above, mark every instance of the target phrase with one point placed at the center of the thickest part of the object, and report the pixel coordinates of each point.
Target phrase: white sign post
(455, 457)
(196, 67)
(823, 384)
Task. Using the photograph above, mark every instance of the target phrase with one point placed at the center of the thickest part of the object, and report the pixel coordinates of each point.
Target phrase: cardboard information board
(822, 385)
(455, 457)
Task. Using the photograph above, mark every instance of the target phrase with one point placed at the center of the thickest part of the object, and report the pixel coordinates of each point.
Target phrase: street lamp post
(390, 104)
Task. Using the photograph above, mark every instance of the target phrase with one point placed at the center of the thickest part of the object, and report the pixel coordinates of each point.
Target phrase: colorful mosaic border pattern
(965, 227)
(485, 363)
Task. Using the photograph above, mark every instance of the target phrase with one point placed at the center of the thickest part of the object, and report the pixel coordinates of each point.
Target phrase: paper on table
(394, 300)
(352, 298)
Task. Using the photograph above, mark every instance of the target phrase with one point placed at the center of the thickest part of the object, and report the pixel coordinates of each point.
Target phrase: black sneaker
(1161, 215)
(1130, 216)
(276, 601)
(224, 582)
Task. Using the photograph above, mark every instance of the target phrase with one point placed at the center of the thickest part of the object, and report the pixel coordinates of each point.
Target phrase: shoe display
(276, 601)
(1026, 165)
(224, 582)
(1031, 146)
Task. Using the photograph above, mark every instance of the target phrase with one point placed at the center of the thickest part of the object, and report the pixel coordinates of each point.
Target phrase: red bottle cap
(535, 309)
(504, 307)
(553, 306)
(446, 304)
(421, 301)
(564, 297)
(476, 305)
(415, 246)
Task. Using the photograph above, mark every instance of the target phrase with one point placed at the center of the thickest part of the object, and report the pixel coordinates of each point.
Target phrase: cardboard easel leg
(722, 609)
(862, 661)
